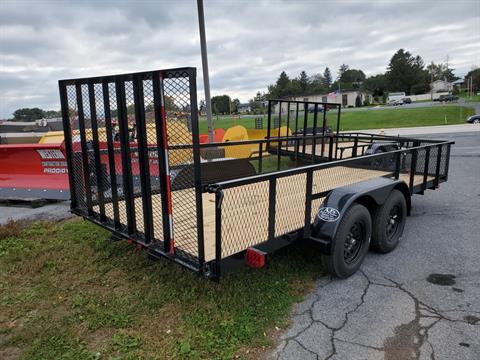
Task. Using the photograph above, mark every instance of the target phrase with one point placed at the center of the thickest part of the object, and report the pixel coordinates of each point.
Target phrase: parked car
(407, 100)
(475, 119)
(396, 102)
(446, 98)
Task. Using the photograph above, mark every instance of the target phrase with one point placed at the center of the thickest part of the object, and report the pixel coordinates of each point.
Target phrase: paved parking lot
(422, 301)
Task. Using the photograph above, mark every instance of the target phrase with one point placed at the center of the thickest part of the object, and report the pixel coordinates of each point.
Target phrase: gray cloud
(249, 42)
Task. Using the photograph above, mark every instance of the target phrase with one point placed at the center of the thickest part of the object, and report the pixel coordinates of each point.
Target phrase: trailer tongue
(202, 206)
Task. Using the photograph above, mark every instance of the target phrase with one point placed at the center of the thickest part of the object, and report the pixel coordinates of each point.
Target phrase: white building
(441, 86)
(345, 98)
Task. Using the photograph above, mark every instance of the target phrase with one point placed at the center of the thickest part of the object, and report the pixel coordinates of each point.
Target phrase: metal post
(206, 78)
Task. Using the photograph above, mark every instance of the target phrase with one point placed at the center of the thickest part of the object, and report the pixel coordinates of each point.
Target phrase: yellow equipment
(240, 133)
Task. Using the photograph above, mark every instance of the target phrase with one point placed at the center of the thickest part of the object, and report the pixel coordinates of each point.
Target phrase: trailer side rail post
(355, 147)
(413, 166)
(308, 203)
(96, 150)
(279, 146)
(314, 140)
(83, 144)
(260, 157)
(425, 169)
(305, 125)
(196, 164)
(162, 154)
(338, 127)
(437, 169)
(271, 207)
(126, 154)
(324, 124)
(288, 124)
(111, 153)
(68, 141)
(398, 162)
(330, 148)
(447, 162)
(218, 232)
(269, 123)
(145, 186)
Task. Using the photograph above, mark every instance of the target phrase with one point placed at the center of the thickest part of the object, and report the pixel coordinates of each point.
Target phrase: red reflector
(256, 258)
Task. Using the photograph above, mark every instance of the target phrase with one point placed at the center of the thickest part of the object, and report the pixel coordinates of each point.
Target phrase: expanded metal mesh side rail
(261, 208)
(118, 135)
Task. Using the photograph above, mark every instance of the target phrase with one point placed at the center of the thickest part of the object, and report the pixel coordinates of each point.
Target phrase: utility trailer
(204, 206)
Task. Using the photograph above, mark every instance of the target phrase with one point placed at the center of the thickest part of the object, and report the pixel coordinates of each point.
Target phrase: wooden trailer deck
(246, 205)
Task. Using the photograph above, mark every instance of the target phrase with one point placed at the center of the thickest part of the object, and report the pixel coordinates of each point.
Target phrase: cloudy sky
(249, 42)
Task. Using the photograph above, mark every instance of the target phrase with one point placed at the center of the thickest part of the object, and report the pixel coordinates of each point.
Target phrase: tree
(440, 72)
(352, 76)
(221, 104)
(475, 75)
(327, 78)
(404, 71)
(303, 81)
(280, 89)
(235, 103)
(317, 84)
(257, 104)
(28, 114)
(375, 84)
(341, 70)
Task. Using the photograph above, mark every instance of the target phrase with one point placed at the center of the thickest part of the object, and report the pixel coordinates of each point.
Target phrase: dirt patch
(10, 353)
(10, 229)
(100, 338)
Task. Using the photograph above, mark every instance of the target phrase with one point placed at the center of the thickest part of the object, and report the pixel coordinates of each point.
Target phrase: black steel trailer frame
(163, 167)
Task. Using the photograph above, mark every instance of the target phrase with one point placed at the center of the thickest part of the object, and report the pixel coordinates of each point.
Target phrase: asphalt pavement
(421, 301)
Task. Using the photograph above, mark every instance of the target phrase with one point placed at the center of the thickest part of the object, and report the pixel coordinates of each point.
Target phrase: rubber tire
(335, 263)
(380, 243)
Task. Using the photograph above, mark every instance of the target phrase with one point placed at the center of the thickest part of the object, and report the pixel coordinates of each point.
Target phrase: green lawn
(373, 119)
(474, 98)
(66, 292)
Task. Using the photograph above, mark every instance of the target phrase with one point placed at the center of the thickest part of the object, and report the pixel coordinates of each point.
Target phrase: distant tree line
(32, 114)
(405, 72)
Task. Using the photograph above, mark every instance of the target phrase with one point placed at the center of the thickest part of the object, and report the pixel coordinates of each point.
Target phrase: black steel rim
(353, 243)
(394, 219)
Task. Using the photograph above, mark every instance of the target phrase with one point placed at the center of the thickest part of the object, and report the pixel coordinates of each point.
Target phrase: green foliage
(327, 77)
(376, 84)
(221, 104)
(258, 103)
(440, 72)
(28, 114)
(475, 74)
(352, 76)
(406, 71)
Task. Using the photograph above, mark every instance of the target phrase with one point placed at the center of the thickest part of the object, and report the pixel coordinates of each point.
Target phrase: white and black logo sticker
(328, 214)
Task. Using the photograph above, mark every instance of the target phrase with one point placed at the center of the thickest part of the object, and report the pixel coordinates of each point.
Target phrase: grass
(475, 98)
(68, 293)
(374, 119)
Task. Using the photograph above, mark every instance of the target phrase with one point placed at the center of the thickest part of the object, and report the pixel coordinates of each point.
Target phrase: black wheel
(389, 222)
(351, 242)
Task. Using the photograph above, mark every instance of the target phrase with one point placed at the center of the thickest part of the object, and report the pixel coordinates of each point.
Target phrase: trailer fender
(371, 194)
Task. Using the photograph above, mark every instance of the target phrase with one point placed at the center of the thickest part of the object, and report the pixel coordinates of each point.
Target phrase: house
(243, 108)
(346, 98)
(440, 86)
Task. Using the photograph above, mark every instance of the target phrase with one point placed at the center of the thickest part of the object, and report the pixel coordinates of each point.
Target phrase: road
(414, 105)
(421, 301)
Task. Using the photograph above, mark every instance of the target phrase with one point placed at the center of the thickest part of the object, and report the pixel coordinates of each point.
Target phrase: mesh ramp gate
(118, 136)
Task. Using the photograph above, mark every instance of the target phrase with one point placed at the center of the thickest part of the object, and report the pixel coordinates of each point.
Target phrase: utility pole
(206, 78)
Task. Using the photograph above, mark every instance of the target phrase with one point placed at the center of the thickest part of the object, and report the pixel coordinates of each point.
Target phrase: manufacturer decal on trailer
(328, 214)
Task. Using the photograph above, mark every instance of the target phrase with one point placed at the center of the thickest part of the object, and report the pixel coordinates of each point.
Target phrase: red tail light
(256, 258)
